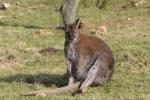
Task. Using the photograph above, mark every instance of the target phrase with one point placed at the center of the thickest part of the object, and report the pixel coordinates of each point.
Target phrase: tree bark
(68, 10)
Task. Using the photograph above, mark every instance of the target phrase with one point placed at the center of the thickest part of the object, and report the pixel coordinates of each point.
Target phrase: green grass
(29, 70)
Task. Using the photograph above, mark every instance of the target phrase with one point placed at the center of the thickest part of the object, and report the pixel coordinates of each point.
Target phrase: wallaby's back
(87, 48)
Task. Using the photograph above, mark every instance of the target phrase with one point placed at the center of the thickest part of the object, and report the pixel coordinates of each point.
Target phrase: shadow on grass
(31, 26)
(46, 79)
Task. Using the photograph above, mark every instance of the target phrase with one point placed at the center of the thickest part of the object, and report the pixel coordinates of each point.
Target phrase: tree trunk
(68, 10)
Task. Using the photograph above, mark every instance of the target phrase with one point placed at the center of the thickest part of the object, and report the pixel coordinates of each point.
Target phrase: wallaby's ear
(77, 23)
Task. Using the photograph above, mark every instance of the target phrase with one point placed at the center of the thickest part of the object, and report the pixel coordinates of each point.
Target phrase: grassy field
(28, 26)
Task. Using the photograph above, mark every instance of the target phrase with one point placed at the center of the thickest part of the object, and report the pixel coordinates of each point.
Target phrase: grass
(24, 69)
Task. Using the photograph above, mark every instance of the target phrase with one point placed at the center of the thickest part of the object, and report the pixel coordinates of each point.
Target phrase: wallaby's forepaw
(70, 84)
(71, 81)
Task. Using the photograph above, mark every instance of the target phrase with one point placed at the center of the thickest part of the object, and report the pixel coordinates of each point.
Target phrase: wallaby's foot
(78, 93)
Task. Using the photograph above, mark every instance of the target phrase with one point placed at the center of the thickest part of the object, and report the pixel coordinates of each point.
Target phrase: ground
(28, 26)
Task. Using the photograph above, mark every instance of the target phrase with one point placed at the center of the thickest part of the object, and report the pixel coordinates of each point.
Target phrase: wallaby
(90, 61)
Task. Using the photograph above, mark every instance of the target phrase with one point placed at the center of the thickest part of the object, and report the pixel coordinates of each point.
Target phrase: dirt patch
(43, 33)
(87, 27)
(49, 50)
(9, 61)
(7, 50)
(92, 29)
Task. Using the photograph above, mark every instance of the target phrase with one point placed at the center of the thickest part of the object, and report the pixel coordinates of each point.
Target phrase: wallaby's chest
(70, 52)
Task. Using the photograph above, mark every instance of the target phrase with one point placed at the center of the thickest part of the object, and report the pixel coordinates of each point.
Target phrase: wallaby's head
(72, 30)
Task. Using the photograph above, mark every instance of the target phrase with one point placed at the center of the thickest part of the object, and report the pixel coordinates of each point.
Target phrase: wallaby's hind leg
(104, 73)
(99, 74)
(92, 74)
(103, 78)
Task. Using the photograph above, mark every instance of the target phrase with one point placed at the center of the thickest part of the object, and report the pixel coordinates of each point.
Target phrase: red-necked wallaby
(90, 60)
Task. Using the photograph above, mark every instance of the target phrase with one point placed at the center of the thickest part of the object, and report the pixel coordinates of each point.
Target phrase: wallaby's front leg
(71, 80)
(70, 73)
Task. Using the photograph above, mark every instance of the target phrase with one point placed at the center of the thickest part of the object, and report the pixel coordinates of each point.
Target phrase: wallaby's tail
(69, 88)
